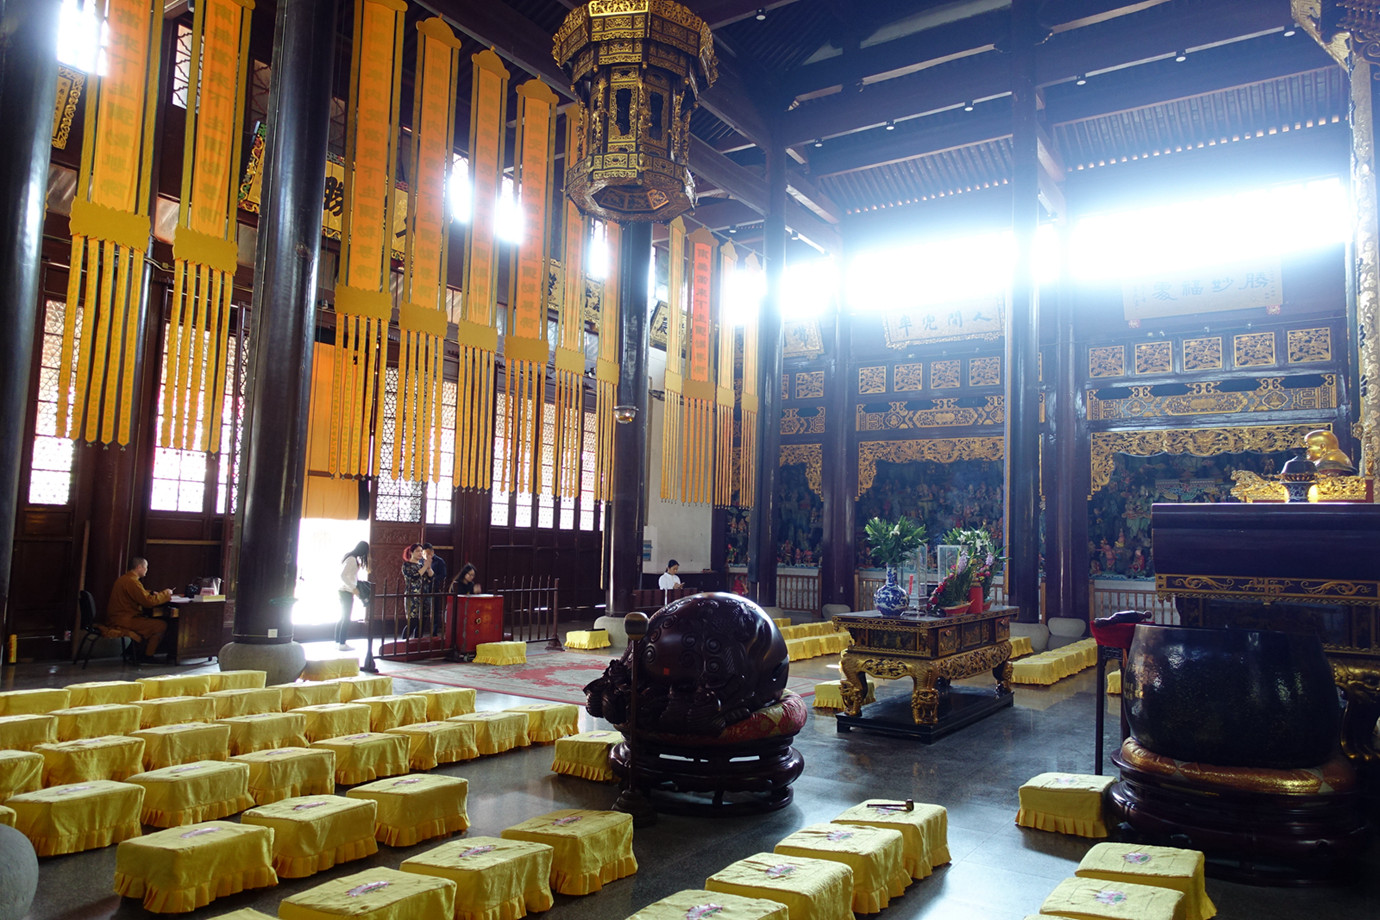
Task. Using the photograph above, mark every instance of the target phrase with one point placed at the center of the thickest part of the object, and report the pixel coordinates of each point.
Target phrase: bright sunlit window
(83, 37)
(460, 191)
(597, 254)
(808, 289)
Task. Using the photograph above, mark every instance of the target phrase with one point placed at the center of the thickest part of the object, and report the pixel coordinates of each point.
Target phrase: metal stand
(1105, 653)
(369, 664)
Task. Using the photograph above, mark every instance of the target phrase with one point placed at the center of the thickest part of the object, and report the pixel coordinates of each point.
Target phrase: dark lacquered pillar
(1063, 498)
(840, 474)
(761, 573)
(630, 437)
(283, 317)
(1022, 333)
(28, 77)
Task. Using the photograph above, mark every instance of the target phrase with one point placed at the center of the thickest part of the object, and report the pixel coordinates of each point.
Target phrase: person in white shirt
(352, 568)
(669, 580)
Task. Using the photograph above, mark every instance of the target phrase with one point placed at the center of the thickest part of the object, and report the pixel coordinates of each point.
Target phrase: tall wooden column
(761, 573)
(841, 475)
(284, 308)
(1022, 331)
(28, 73)
(630, 437)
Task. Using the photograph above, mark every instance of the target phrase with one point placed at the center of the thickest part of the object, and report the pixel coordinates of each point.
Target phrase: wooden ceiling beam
(751, 189)
(1108, 46)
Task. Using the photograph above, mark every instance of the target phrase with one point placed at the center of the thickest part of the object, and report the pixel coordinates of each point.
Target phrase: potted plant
(892, 542)
(984, 554)
(951, 594)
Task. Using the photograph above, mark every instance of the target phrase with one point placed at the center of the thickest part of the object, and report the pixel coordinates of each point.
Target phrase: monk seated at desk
(129, 600)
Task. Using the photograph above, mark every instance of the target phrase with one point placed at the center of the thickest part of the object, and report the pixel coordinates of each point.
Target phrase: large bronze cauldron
(1231, 697)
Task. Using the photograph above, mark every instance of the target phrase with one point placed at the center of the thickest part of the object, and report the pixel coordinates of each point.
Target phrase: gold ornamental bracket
(637, 66)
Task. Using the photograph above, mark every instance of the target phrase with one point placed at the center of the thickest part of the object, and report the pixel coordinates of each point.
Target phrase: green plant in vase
(892, 542)
(984, 553)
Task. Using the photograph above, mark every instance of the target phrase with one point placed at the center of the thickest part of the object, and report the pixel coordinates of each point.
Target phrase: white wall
(681, 532)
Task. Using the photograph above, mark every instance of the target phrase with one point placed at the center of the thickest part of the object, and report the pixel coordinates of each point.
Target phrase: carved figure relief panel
(1154, 357)
(1107, 361)
(1309, 345)
(1253, 349)
(944, 374)
(871, 380)
(809, 385)
(1203, 354)
(910, 377)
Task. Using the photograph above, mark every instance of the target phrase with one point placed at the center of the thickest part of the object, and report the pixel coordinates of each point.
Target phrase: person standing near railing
(353, 570)
(436, 603)
(416, 573)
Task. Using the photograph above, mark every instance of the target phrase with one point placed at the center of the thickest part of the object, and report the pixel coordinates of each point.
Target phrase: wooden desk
(199, 629)
(932, 651)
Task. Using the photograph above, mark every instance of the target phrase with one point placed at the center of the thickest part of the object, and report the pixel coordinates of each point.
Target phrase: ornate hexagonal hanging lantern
(638, 67)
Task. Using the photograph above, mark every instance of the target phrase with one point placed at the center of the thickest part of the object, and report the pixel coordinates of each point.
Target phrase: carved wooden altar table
(932, 651)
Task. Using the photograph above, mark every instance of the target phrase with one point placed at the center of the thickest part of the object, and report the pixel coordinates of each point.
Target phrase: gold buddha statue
(1326, 455)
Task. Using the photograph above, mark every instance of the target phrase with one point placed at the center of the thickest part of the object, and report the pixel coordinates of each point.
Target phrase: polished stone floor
(999, 871)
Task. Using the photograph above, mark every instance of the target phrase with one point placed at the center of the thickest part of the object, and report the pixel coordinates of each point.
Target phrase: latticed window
(546, 502)
(438, 494)
(180, 476)
(398, 499)
(232, 426)
(182, 67)
(50, 479)
(588, 465)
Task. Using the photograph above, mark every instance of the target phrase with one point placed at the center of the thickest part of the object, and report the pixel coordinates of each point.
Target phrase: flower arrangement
(981, 547)
(953, 587)
(893, 541)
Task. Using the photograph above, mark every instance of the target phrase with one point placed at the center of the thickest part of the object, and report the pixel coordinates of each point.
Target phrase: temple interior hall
(969, 391)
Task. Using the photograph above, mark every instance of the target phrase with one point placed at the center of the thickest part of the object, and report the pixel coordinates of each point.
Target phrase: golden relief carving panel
(1309, 345)
(793, 423)
(1366, 260)
(812, 455)
(910, 377)
(1203, 354)
(802, 339)
(1107, 361)
(69, 86)
(1204, 398)
(1253, 488)
(1253, 349)
(984, 372)
(871, 380)
(785, 386)
(809, 385)
(1154, 357)
(940, 450)
(945, 414)
(1199, 442)
(944, 374)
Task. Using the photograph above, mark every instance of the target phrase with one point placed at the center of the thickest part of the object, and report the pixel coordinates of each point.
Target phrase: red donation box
(475, 618)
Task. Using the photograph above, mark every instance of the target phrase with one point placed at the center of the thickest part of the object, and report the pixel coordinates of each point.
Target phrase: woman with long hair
(416, 573)
(353, 563)
(464, 581)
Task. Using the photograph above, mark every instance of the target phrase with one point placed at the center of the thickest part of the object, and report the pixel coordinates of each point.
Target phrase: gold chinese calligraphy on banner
(569, 287)
(110, 232)
(696, 459)
(1211, 289)
(751, 400)
(204, 245)
(671, 416)
(723, 392)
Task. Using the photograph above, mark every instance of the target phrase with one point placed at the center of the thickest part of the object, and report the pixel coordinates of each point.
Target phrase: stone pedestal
(283, 661)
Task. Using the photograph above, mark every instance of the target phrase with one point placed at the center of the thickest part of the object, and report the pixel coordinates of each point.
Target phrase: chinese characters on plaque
(984, 317)
(1213, 289)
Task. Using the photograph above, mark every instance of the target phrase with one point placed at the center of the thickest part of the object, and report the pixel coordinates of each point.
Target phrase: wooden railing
(529, 609)
(798, 592)
(1107, 599)
(411, 626)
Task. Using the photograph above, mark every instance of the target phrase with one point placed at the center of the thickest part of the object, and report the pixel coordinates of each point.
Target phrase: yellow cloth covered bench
(496, 732)
(295, 696)
(246, 701)
(924, 831)
(587, 639)
(1020, 646)
(811, 889)
(591, 848)
(174, 710)
(96, 721)
(332, 720)
(416, 807)
(1067, 803)
(697, 902)
(78, 816)
(170, 745)
(183, 868)
(20, 771)
(393, 710)
(446, 702)
(495, 879)
(500, 653)
(875, 854)
(1161, 867)
(330, 668)
(1095, 899)
(829, 695)
(353, 689)
(193, 792)
(264, 731)
(366, 756)
(175, 685)
(374, 894)
(30, 702)
(433, 743)
(116, 757)
(1114, 683)
(287, 772)
(315, 832)
(548, 721)
(95, 692)
(586, 755)
(238, 680)
(21, 733)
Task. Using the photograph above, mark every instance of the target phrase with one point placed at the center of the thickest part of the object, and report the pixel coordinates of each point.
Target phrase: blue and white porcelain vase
(890, 598)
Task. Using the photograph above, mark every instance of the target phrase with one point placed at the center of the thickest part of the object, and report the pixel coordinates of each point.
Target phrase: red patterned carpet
(558, 677)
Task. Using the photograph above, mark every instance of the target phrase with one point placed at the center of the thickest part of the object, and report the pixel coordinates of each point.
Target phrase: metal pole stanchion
(369, 638)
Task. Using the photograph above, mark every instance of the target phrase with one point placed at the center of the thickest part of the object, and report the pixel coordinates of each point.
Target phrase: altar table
(932, 651)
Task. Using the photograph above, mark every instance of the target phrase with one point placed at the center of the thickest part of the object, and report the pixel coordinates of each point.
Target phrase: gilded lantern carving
(638, 67)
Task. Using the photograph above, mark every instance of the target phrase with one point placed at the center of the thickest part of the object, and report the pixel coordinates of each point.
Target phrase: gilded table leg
(1360, 684)
(853, 687)
(924, 698)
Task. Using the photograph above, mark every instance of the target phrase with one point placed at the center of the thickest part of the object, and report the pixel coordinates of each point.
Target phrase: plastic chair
(86, 607)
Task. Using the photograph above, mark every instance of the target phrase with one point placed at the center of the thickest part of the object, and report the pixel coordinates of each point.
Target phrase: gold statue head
(1319, 443)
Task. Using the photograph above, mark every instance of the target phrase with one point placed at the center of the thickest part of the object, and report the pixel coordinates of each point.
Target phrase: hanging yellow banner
(672, 414)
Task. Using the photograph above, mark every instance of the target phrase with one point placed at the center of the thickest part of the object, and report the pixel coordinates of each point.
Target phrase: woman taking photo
(353, 570)
(416, 573)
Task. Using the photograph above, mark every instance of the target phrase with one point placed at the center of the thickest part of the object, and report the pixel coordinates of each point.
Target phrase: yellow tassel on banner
(672, 416)
(700, 397)
(724, 395)
(570, 326)
(751, 402)
(606, 372)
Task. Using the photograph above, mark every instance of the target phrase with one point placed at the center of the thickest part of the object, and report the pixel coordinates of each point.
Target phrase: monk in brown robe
(129, 599)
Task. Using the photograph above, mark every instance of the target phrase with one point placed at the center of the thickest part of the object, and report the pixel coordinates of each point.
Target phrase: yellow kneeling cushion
(1067, 803)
